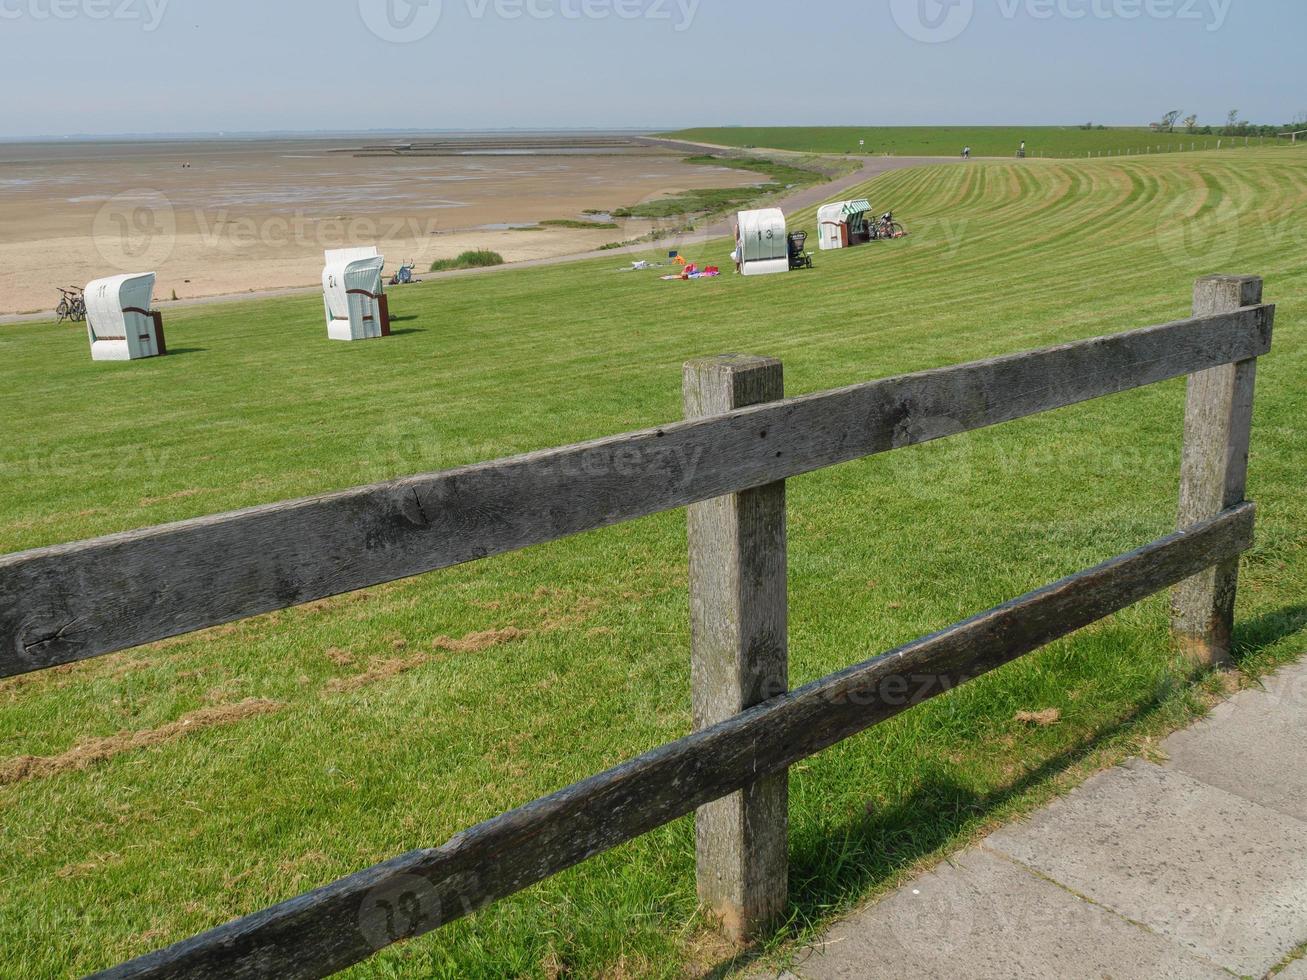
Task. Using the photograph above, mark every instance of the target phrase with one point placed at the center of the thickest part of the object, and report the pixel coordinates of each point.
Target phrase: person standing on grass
(738, 255)
(966, 153)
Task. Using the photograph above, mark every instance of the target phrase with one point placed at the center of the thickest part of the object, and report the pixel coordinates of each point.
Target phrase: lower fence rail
(344, 923)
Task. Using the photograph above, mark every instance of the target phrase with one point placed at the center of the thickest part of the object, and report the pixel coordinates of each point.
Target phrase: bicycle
(72, 305)
(887, 227)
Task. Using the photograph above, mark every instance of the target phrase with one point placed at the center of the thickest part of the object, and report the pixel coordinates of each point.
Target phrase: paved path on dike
(1193, 868)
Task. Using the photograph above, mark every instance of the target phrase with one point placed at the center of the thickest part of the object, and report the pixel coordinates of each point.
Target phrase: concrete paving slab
(982, 917)
(1254, 745)
(1218, 874)
(1297, 970)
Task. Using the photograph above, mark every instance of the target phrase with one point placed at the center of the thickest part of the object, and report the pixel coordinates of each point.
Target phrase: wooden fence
(64, 604)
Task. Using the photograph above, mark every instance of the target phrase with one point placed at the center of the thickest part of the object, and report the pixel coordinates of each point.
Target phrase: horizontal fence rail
(344, 923)
(64, 604)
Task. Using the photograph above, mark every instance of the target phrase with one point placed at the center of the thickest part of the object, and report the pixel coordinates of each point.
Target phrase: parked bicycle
(887, 227)
(72, 305)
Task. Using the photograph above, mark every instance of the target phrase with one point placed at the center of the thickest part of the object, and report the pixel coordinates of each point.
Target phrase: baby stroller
(404, 276)
(799, 259)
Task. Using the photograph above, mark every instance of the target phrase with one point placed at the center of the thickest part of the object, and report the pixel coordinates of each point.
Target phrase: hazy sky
(114, 66)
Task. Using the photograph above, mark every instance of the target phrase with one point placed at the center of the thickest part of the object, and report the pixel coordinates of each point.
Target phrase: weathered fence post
(1214, 474)
(739, 625)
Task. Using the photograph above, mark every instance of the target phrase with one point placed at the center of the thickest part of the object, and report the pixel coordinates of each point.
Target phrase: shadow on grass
(408, 330)
(1256, 636)
(833, 867)
(175, 351)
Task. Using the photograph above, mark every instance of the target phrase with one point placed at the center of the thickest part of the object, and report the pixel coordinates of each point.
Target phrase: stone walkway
(1193, 868)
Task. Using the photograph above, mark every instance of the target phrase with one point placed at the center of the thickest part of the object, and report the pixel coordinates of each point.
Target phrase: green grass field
(948, 141)
(351, 730)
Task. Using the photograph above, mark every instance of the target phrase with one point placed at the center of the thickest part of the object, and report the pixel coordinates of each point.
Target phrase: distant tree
(1191, 124)
(1232, 123)
(1299, 121)
(1168, 121)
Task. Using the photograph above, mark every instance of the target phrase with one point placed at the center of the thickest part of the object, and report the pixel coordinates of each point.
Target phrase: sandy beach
(216, 217)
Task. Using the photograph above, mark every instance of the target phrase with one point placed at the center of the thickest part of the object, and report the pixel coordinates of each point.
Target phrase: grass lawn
(326, 738)
(985, 141)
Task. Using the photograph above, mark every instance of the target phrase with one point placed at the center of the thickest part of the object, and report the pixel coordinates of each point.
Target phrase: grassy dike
(985, 141)
(266, 758)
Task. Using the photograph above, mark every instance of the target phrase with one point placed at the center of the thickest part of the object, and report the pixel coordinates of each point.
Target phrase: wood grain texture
(71, 602)
(1214, 474)
(332, 928)
(739, 657)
